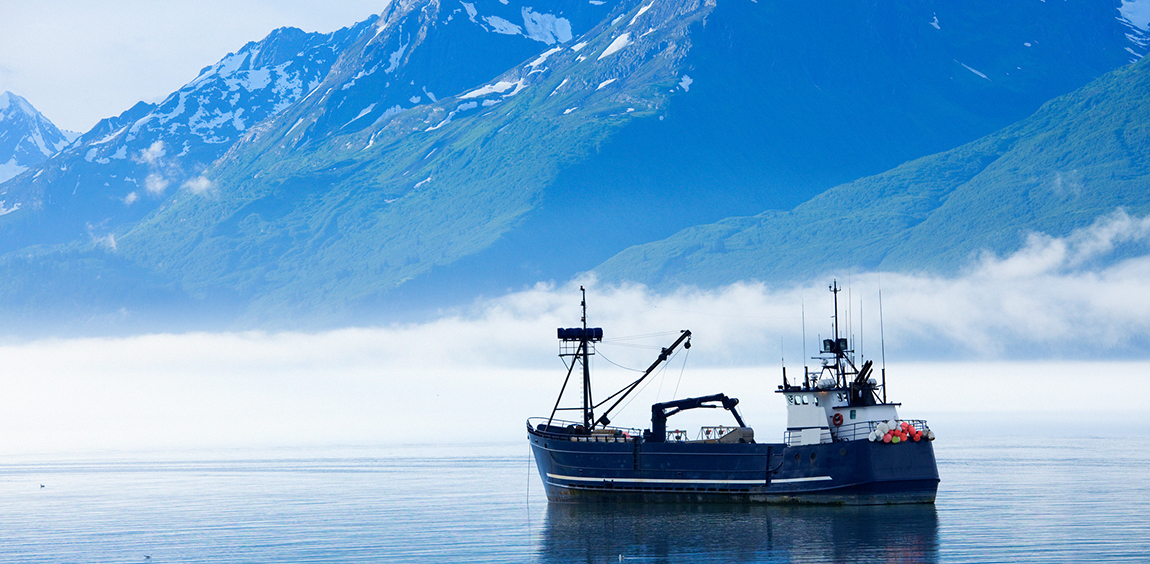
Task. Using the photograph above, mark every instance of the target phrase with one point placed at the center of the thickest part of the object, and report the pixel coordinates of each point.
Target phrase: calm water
(1005, 500)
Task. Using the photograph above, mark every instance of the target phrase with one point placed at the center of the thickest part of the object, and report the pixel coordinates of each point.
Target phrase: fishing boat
(844, 442)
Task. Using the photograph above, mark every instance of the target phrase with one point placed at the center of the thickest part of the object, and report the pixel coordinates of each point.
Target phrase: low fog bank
(1044, 341)
(368, 387)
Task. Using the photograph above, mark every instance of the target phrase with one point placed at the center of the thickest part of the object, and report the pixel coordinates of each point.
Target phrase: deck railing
(848, 431)
(573, 431)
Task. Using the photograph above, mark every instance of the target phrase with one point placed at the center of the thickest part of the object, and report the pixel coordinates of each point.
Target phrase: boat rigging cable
(662, 374)
(681, 371)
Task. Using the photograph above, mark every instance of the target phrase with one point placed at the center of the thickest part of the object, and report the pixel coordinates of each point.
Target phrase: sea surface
(1003, 498)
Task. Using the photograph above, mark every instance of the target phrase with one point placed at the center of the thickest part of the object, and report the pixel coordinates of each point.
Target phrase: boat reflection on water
(739, 533)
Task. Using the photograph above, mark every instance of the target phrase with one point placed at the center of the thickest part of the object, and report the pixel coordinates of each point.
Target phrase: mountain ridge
(395, 184)
(27, 138)
(1081, 157)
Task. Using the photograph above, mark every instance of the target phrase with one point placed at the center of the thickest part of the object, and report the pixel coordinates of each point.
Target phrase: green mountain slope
(449, 153)
(1080, 157)
(302, 222)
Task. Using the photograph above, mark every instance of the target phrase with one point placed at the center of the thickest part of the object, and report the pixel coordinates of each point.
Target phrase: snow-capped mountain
(422, 51)
(126, 166)
(27, 138)
(468, 147)
(662, 115)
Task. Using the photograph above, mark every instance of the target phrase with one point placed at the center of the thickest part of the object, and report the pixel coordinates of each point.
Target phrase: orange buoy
(837, 419)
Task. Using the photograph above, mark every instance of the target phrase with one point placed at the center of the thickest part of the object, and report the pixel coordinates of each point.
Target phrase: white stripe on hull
(677, 481)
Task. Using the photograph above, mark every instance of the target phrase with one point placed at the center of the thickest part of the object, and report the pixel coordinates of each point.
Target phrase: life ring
(837, 419)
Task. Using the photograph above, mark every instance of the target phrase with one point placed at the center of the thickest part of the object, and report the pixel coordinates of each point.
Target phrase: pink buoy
(886, 438)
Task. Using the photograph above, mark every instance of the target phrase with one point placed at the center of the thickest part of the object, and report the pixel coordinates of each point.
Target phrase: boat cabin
(838, 402)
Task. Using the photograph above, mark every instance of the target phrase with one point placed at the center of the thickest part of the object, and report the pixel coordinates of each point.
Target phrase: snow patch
(414, 99)
(569, 110)
(576, 47)
(686, 83)
(556, 91)
(5, 211)
(10, 170)
(460, 108)
(605, 83)
(362, 113)
(935, 22)
(543, 58)
(388, 113)
(642, 11)
(299, 121)
(422, 182)
(969, 68)
(471, 11)
(617, 45)
(109, 137)
(250, 80)
(546, 28)
(1137, 12)
(393, 60)
(500, 25)
(499, 87)
(227, 66)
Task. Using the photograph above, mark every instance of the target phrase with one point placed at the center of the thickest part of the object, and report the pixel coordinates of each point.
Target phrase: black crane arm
(661, 411)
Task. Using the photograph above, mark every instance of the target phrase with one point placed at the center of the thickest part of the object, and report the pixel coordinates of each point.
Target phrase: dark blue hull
(856, 472)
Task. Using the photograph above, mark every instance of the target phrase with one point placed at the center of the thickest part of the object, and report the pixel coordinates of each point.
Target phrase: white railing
(848, 431)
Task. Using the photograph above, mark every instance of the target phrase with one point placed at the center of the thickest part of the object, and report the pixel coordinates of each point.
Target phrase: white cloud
(107, 241)
(156, 184)
(153, 153)
(198, 185)
(130, 198)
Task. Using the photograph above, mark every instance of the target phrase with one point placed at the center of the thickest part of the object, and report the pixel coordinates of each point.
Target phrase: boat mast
(588, 409)
(838, 346)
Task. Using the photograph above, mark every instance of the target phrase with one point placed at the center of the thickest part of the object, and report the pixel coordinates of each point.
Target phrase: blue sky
(81, 61)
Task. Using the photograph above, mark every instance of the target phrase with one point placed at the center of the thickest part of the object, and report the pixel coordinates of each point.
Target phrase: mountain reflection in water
(720, 533)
